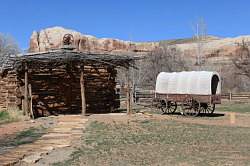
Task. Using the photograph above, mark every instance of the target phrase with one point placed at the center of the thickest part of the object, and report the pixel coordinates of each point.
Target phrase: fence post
(83, 98)
(135, 96)
(129, 106)
(230, 96)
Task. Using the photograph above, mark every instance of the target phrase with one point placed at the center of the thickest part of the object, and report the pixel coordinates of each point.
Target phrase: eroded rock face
(51, 38)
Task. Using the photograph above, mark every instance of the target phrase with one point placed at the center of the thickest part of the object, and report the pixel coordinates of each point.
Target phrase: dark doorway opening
(214, 84)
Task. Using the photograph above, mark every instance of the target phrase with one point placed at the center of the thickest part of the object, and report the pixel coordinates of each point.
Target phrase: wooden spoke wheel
(168, 107)
(68, 39)
(190, 107)
(207, 108)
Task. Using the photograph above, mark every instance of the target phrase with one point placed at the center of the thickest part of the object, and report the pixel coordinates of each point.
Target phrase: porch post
(83, 92)
(128, 94)
(31, 104)
(26, 100)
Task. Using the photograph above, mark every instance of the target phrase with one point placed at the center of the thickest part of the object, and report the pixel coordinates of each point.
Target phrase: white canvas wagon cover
(193, 82)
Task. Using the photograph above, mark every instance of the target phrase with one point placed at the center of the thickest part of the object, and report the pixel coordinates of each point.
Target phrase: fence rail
(236, 96)
(148, 95)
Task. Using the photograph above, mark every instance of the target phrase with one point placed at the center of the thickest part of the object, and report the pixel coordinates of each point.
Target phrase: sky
(136, 20)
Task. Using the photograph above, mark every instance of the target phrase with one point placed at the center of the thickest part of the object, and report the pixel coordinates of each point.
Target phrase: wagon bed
(213, 99)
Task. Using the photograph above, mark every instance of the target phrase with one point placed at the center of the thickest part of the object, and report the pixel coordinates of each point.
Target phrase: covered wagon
(194, 91)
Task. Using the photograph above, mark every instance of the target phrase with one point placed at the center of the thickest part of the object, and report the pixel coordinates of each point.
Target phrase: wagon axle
(189, 107)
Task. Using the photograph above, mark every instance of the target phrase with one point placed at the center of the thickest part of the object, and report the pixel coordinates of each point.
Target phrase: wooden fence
(236, 96)
(141, 96)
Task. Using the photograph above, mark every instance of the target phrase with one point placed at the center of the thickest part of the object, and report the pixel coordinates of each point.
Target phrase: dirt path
(67, 129)
(10, 129)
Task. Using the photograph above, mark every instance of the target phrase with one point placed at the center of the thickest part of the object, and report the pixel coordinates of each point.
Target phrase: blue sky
(137, 20)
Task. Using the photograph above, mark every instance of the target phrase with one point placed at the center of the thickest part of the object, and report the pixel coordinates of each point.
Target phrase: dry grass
(231, 107)
(162, 142)
(11, 115)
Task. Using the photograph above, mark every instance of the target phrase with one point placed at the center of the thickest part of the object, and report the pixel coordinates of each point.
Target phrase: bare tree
(242, 59)
(200, 34)
(8, 46)
(163, 59)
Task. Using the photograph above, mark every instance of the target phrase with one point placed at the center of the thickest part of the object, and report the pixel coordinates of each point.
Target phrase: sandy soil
(15, 127)
(10, 129)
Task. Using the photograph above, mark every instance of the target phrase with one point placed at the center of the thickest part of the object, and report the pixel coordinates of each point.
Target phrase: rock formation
(51, 38)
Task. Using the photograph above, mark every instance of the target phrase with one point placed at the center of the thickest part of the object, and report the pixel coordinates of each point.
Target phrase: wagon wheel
(207, 108)
(68, 39)
(168, 107)
(190, 107)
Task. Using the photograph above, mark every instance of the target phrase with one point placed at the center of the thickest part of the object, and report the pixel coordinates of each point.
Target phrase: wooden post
(83, 93)
(129, 109)
(23, 106)
(31, 106)
(26, 105)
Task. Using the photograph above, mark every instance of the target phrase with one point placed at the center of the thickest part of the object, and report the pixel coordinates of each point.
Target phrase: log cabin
(63, 81)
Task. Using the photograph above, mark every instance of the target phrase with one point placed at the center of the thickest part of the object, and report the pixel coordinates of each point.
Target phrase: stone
(48, 148)
(31, 159)
(62, 145)
(51, 38)
(55, 135)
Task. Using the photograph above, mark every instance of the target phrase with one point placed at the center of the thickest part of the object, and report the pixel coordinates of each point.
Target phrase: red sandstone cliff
(51, 38)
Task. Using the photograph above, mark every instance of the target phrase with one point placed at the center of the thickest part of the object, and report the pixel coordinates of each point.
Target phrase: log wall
(57, 91)
(9, 92)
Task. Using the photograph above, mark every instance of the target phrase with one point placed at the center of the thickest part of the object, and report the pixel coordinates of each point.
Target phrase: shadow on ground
(200, 115)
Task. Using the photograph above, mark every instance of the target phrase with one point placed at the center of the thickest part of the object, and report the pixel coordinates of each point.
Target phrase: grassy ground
(28, 136)
(4, 115)
(162, 142)
(240, 108)
(12, 115)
